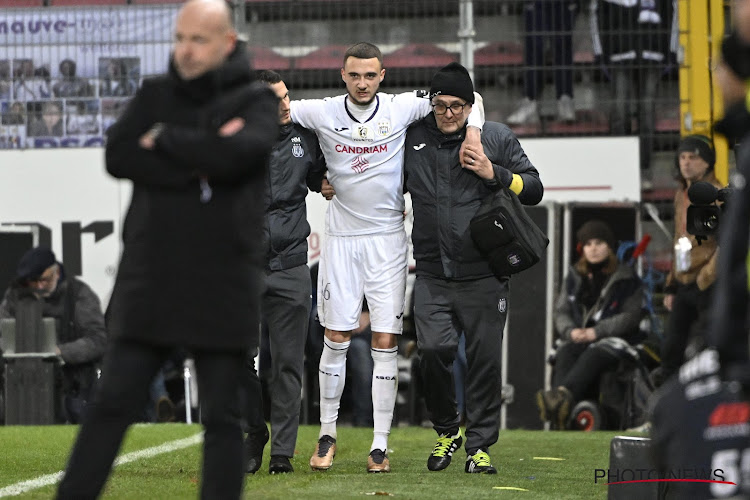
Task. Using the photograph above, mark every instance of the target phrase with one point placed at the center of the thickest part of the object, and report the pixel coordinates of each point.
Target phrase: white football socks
(331, 375)
(384, 391)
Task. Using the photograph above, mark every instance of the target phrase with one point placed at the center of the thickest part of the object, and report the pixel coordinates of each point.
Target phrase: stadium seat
(149, 2)
(265, 58)
(21, 3)
(418, 55)
(499, 54)
(527, 129)
(77, 3)
(587, 122)
(328, 57)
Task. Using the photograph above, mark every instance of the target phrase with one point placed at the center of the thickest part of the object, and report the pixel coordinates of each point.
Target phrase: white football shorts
(373, 266)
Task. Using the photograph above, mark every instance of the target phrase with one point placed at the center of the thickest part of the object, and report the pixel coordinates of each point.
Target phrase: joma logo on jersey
(360, 164)
(361, 150)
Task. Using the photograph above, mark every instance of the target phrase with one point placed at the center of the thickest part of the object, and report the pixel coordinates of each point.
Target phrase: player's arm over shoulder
(309, 112)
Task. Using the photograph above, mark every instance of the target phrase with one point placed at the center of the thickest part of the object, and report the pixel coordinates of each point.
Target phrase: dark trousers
(286, 313)
(442, 310)
(548, 20)
(635, 87)
(688, 313)
(129, 368)
(579, 367)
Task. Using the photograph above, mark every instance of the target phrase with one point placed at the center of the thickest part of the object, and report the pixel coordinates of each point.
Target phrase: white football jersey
(365, 159)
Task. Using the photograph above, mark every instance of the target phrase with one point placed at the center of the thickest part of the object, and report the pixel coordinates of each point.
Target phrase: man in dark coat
(455, 290)
(81, 336)
(195, 143)
(296, 163)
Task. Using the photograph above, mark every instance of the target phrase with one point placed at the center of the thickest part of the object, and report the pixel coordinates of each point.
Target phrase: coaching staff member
(455, 290)
(195, 143)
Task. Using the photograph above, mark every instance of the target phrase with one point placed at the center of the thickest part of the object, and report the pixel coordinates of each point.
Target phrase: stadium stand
(499, 54)
(84, 3)
(419, 55)
(305, 39)
(144, 2)
(263, 57)
(21, 3)
(328, 57)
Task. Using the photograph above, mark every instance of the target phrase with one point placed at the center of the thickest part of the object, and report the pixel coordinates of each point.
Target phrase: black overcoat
(190, 269)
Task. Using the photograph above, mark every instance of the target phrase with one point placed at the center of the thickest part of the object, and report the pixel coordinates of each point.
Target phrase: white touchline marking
(46, 480)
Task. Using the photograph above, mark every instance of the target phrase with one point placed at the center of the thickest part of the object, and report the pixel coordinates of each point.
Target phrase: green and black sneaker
(443, 451)
(479, 463)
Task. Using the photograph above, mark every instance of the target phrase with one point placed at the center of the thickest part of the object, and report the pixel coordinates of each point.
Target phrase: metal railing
(66, 73)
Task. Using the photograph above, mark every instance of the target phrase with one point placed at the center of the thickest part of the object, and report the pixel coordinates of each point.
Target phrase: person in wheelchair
(597, 316)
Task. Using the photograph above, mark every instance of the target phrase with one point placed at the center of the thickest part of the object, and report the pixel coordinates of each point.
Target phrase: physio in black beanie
(454, 80)
(448, 182)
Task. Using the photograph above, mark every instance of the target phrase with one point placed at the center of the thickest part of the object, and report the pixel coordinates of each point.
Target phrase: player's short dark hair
(363, 50)
(269, 76)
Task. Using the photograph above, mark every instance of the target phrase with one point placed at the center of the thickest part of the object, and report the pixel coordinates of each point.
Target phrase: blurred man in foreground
(195, 144)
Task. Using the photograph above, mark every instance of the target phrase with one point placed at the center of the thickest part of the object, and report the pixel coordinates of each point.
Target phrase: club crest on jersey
(384, 127)
(297, 150)
(360, 164)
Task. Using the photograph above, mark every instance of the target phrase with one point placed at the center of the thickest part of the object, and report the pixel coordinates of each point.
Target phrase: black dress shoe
(254, 444)
(280, 465)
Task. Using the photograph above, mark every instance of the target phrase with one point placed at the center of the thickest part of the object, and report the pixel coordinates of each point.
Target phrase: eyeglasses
(441, 109)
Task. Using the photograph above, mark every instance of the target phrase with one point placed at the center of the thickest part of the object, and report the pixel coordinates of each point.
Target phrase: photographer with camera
(694, 266)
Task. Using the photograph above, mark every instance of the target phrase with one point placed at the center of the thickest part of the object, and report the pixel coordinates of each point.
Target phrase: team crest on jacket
(360, 164)
(502, 306)
(384, 127)
(297, 150)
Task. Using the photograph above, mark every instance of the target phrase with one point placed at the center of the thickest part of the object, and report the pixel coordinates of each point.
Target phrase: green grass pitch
(531, 465)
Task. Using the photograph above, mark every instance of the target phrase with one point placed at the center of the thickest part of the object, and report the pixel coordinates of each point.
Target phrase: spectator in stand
(633, 41)
(547, 20)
